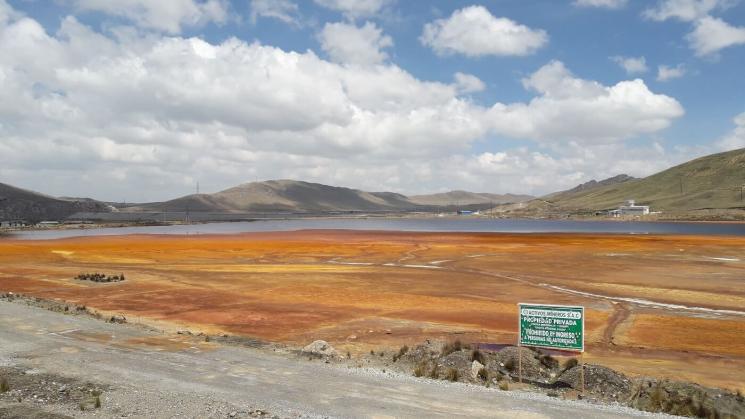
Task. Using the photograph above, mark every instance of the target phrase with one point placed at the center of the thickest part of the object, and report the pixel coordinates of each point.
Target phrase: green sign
(550, 326)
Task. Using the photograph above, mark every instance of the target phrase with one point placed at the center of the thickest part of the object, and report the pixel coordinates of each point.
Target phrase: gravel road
(155, 380)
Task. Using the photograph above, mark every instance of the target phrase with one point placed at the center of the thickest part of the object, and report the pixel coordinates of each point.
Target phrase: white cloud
(736, 138)
(169, 16)
(354, 9)
(584, 111)
(632, 65)
(685, 10)
(607, 4)
(143, 116)
(349, 44)
(474, 31)
(712, 34)
(665, 73)
(468, 83)
(283, 10)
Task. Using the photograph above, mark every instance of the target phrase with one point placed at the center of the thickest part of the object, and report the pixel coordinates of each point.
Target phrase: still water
(408, 224)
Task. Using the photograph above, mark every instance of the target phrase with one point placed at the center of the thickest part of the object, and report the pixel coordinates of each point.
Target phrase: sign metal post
(552, 327)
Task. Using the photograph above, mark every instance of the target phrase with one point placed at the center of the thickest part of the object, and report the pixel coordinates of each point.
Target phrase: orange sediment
(362, 290)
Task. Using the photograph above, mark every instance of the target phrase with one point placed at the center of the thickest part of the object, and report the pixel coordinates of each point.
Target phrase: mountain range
(713, 182)
(297, 196)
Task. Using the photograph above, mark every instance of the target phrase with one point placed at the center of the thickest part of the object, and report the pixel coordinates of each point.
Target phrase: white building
(630, 209)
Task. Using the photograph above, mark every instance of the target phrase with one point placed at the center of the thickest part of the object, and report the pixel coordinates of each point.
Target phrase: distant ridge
(467, 198)
(710, 182)
(21, 204)
(297, 196)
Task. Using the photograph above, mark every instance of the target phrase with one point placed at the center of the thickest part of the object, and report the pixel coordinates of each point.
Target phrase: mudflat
(664, 306)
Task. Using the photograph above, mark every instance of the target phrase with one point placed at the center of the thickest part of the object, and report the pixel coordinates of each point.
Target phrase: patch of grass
(420, 369)
(476, 355)
(451, 374)
(451, 347)
(401, 352)
(504, 386)
(569, 364)
(4, 385)
(483, 374)
(434, 372)
(657, 398)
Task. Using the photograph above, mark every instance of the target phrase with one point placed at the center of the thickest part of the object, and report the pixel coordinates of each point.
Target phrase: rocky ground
(55, 362)
(541, 372)
(26, 391)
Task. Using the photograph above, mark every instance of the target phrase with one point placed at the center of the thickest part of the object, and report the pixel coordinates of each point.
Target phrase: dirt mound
(507, 362)
(601, 382)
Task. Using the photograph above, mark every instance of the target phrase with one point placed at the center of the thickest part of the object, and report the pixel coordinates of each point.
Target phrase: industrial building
(630, 209)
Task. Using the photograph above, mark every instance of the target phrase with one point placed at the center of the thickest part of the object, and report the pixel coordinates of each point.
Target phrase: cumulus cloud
(143, 117)
(710, 35)
(584, 111)
(607, 4)
(283, 10)
(632, 65)
(473, 31)
(684, 10)
(665, 73)
(350, 44)
(468, 83)
(354, 9)
(168, 16)
(736, 138)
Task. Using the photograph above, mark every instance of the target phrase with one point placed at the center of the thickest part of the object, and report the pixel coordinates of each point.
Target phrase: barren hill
(287, 195)
(454, 198)
(710, 182)
(21, 204)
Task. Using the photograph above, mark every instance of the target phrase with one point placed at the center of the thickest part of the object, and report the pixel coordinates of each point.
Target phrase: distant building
(12, 224)
(48, 224)
(630, 209)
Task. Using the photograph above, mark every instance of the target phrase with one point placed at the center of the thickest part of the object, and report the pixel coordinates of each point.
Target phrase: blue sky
(139, 100)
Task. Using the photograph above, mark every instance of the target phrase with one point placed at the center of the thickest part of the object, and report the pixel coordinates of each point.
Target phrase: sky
(136, 100)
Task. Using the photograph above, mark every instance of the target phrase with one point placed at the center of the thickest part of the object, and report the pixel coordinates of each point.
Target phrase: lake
(464, 224)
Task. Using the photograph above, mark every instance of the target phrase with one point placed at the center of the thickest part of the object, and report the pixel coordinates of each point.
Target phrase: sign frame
(520, 326)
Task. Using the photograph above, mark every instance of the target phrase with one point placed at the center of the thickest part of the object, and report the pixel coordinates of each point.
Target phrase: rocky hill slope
(21, 204)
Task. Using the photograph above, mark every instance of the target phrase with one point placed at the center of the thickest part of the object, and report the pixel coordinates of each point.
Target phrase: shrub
(548, 361)
(510, 364)
(504, 385)
(401, 352)
(483, 374)
(434, 372)
(476, 355)
(4, 385)
(97, 402)
(449, 348)
(419, 369)
(570, 363)
(451, 374)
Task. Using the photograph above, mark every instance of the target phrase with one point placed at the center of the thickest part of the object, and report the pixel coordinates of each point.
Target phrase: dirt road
(152, 375)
